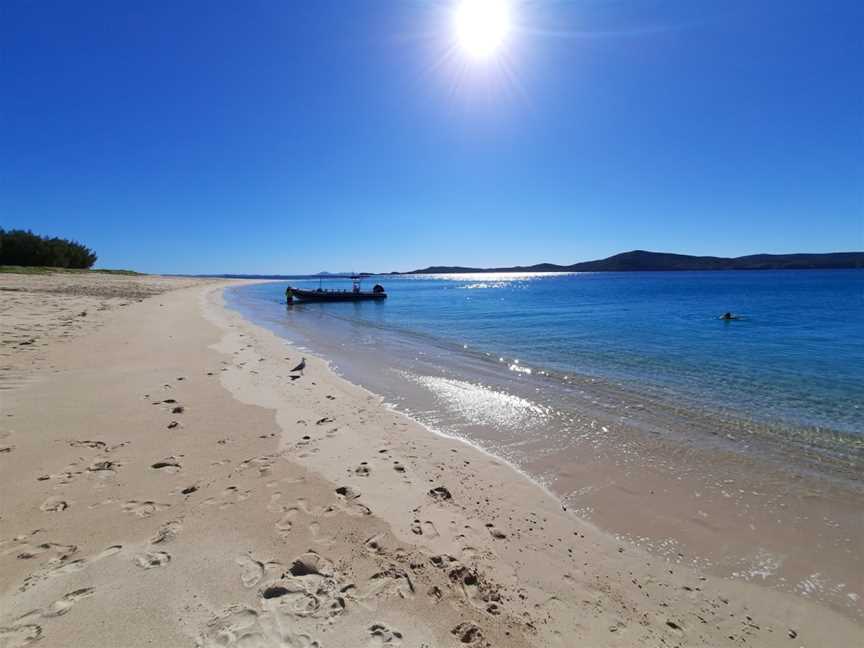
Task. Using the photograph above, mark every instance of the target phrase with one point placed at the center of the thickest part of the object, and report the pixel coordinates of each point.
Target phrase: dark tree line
(24, 248)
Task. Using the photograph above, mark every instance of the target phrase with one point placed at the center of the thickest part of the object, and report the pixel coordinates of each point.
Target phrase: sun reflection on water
(481, 405)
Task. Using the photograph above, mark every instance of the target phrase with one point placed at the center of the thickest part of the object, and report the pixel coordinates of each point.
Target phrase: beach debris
(178, 410)
(173, 424)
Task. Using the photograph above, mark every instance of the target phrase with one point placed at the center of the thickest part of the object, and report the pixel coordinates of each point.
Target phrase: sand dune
(166, 482)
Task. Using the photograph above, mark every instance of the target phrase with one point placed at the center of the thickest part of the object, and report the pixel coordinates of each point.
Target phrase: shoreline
(694, 488)
(303, 513)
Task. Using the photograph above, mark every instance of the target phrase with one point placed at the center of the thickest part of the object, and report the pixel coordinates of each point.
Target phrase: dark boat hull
(335, 295)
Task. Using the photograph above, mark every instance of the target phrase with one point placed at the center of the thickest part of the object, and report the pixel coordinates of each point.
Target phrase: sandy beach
(166, 481)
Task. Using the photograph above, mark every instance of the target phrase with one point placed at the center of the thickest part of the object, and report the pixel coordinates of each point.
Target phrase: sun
(481, 27)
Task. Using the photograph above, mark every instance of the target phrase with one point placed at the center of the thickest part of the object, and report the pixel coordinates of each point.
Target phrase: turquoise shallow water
(796, 357)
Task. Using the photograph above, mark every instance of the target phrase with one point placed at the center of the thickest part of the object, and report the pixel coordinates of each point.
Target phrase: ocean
(736, 446)
(795, 358)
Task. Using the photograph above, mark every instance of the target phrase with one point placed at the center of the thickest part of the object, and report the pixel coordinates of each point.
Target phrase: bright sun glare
(481, 26)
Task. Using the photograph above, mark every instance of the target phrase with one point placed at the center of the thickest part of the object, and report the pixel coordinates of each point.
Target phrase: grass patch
(40, 270)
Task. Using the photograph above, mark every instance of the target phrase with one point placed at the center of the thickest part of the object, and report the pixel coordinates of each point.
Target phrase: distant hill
(642, 260)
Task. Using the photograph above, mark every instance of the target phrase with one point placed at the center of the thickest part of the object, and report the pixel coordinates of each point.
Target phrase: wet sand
(167, 482)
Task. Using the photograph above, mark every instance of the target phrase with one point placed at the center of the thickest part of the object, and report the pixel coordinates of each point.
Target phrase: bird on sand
(300, 367)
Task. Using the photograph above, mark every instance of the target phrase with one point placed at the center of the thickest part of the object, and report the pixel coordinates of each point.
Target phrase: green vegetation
(33, 270)
(24, 248)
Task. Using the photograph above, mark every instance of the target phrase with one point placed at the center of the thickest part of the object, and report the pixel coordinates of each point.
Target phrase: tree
(24, 248)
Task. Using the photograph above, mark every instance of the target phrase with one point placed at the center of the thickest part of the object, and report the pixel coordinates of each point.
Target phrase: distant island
(642, 260)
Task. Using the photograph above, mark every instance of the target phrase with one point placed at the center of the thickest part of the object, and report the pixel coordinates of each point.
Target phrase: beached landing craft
(322, 295)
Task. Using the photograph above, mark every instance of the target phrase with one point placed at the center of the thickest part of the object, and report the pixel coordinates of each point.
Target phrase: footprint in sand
(20, 636)
(254, 571)
(28, 551)
(103, 468)
(317, 537)
(167, 532)
(93, 445)
(390, 582)
(362, 470)
(63, 605)
(315, 511)
(143, 509)
(467, 633)
(288, 515)
(495, 533)
(440, 494)
(381, 635)
(242, 626)
(65, 568)
(261, 463)
(151, 559)
(374, 544)
(54, 505)
(285, 521)
(231, 496)
(424, 528)
(348, 497)
(168, 465)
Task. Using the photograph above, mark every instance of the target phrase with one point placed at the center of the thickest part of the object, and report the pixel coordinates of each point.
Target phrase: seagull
(300, 367)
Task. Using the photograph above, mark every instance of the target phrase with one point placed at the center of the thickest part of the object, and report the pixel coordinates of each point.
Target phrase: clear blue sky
(280, 136)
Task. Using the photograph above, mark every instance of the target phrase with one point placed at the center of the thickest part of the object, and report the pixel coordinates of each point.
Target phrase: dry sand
(165, 482)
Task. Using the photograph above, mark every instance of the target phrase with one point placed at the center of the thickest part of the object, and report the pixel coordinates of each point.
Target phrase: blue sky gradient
(287, 137)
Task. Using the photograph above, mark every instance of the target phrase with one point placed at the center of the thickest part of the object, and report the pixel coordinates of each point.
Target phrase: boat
(323, 295)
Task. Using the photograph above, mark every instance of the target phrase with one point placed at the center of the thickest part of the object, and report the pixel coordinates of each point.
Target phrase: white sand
(279, 512)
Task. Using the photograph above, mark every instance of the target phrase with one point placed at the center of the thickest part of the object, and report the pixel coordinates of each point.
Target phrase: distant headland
(642, 260)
